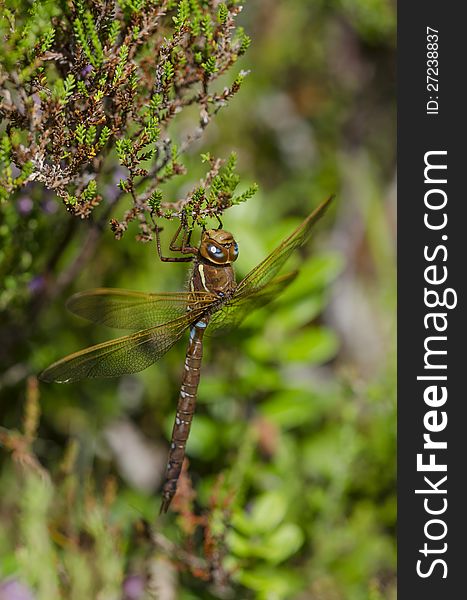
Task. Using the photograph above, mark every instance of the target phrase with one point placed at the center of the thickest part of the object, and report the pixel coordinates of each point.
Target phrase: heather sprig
(214, 194)
(92, 79)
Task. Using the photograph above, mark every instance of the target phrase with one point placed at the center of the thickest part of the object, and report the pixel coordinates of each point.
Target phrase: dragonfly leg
(185, 247)
(170, 258)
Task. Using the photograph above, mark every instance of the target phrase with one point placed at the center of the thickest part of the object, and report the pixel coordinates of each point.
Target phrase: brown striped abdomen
(184, 415)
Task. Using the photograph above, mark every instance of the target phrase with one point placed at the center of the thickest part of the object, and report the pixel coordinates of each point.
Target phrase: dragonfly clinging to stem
(213, 300)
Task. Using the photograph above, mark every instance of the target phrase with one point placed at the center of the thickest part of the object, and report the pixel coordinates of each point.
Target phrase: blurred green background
(296, 409)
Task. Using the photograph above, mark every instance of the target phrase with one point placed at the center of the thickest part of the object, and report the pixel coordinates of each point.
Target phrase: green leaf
(48, 40)
(93, 34)
(155, 199)
(122, 60)
(182, 14)
(244, 41)
(283, 543)
(80, 133)
(239, 544)
(209, 65)
(114, 30)
(90, 191)
(204, 438)
(322, 270)
(169, 71)
(270, 583)
(268, 511)
(324, 455)
(290, 315)
(90, 135)
(222, 13)
(292, 408)
(103, 137)
(313, 345)
(249, 193)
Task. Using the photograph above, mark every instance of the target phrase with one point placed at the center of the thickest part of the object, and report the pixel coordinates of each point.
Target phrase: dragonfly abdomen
(184, 415)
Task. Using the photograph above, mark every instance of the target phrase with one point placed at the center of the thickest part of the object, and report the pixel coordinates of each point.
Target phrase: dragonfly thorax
(218, 247)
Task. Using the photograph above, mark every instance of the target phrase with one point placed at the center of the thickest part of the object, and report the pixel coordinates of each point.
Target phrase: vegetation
(112, 122)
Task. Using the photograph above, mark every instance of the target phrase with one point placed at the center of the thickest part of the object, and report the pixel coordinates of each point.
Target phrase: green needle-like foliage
(77, 82)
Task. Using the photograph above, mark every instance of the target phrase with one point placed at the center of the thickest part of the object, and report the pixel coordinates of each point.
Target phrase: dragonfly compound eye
(215, 251)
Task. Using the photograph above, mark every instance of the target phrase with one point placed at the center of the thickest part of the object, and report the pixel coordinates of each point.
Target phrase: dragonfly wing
(260, 275)
(123, 309)
(239, 307)
(128, 354)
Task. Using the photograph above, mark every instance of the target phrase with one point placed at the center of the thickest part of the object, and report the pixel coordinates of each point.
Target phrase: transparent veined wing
(234, 311)
(128, 354)
(124, 309)
(262, 274)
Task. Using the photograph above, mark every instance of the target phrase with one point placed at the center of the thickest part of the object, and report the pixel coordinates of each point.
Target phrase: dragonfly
(158, 320)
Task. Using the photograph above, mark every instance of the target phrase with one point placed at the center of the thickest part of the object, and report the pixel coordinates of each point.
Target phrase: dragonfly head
(218, 246)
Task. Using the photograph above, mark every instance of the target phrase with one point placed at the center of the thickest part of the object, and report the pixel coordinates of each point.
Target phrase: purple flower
(49, 206)
(112, 192)
(24, 205)
(133, 587)
(11, 589)
(36, 284)
(87, 69)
